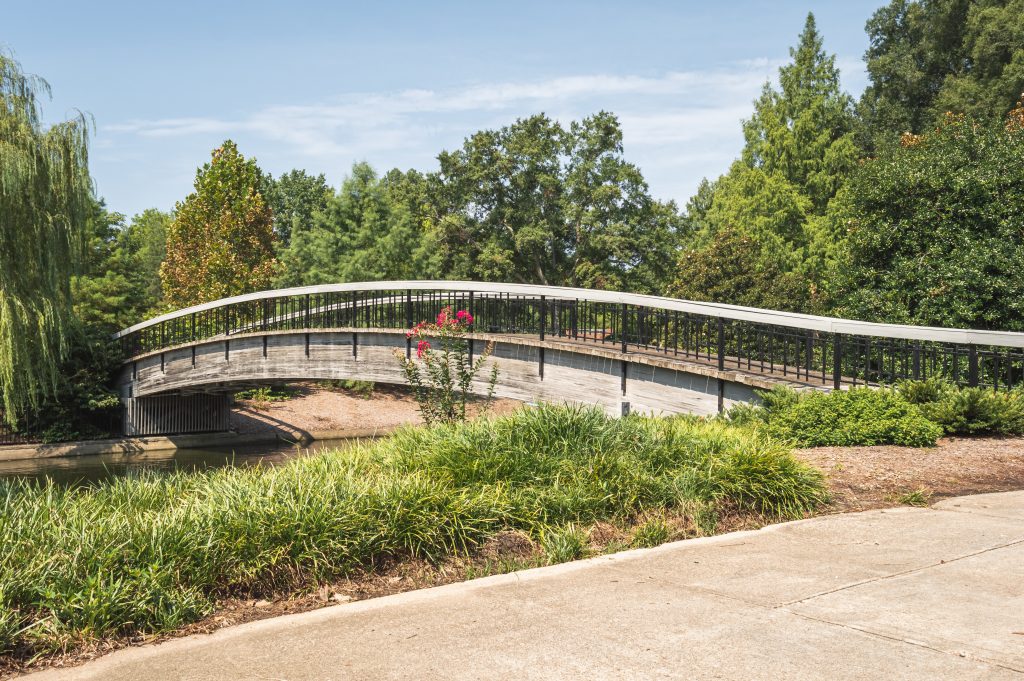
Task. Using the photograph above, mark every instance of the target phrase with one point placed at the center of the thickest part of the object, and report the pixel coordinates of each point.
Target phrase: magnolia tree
(441, 377)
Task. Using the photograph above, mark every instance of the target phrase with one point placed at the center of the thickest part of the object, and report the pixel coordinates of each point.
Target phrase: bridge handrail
(721, 310)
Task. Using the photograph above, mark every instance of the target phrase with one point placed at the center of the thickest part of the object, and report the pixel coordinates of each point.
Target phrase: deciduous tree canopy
(934, 229)
(540, 203)
(294, 198)
(733, 268)
(221, 242)
(120, 282)
(927, 57)
(368, 231)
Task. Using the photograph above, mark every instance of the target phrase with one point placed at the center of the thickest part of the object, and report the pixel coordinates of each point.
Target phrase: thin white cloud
(683, 126)
(307, 125)
(677, 126)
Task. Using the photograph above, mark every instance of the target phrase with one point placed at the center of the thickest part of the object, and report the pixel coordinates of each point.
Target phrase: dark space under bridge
(619, 350)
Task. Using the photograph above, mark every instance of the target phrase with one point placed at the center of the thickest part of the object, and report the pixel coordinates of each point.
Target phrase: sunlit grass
(916, 497)
(153, 552)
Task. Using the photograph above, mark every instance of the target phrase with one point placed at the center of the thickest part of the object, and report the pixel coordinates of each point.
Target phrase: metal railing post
(408, 323)
(543, 315)
(469, 308)
(972, 365)
(573, 316)
(721, 344)
(622, 328)
(721, 364)
(837, 361)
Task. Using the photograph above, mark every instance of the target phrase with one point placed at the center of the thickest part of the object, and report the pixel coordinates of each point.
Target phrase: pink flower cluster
(417, 330)
(445, 321)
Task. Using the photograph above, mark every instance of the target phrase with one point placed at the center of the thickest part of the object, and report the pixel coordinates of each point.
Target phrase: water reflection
(78, 470)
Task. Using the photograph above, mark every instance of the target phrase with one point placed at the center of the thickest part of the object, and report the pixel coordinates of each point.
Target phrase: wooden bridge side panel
(568, 376)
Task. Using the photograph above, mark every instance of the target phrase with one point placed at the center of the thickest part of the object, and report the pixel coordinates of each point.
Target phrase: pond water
(79, 470)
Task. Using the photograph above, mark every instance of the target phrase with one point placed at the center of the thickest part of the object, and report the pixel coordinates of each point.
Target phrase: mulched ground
(862, 478)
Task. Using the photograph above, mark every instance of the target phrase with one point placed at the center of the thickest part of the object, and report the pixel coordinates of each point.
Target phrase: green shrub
(152, 552)
(266, 394)
(859, 416)
(926, 391)
(780, 399)
(915, 414)
(769, 402)
(745, 414)
(362, 389)
(967, 411)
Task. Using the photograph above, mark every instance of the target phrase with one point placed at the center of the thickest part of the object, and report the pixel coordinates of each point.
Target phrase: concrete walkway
(905, 593)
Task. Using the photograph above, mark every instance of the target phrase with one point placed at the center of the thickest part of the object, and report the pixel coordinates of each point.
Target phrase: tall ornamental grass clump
(855, 417)
(153, 552)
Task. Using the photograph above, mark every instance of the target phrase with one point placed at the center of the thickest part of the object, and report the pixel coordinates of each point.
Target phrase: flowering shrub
(441, 378)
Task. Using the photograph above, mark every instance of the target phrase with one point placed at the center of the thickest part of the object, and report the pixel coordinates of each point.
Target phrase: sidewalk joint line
(906, 641)
(903, 573)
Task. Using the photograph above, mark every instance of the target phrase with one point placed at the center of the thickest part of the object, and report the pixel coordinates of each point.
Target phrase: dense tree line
(789, 225)
(902, 205)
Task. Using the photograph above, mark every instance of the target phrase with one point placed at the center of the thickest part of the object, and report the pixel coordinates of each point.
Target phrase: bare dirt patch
(876, 477)
(322, 407)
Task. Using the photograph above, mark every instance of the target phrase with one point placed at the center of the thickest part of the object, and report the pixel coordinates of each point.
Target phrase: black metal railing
(717, 336)
(14, 436)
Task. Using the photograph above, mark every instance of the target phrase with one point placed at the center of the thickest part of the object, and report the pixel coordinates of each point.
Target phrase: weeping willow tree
(45, 198)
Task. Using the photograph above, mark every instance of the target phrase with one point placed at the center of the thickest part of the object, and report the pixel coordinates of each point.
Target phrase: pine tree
(799, 147)
(221, 242)
(46, 197)
(803, 132)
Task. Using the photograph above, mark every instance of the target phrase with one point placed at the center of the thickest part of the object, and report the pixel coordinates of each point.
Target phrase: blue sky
(320, 85)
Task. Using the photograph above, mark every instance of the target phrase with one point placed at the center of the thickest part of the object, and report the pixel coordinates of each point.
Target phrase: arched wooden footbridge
(622, 351)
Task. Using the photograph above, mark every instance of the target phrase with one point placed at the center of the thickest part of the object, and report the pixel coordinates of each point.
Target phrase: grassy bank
(153, 553)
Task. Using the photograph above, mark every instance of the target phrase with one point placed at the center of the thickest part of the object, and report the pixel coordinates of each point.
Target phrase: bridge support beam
(176, 414)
